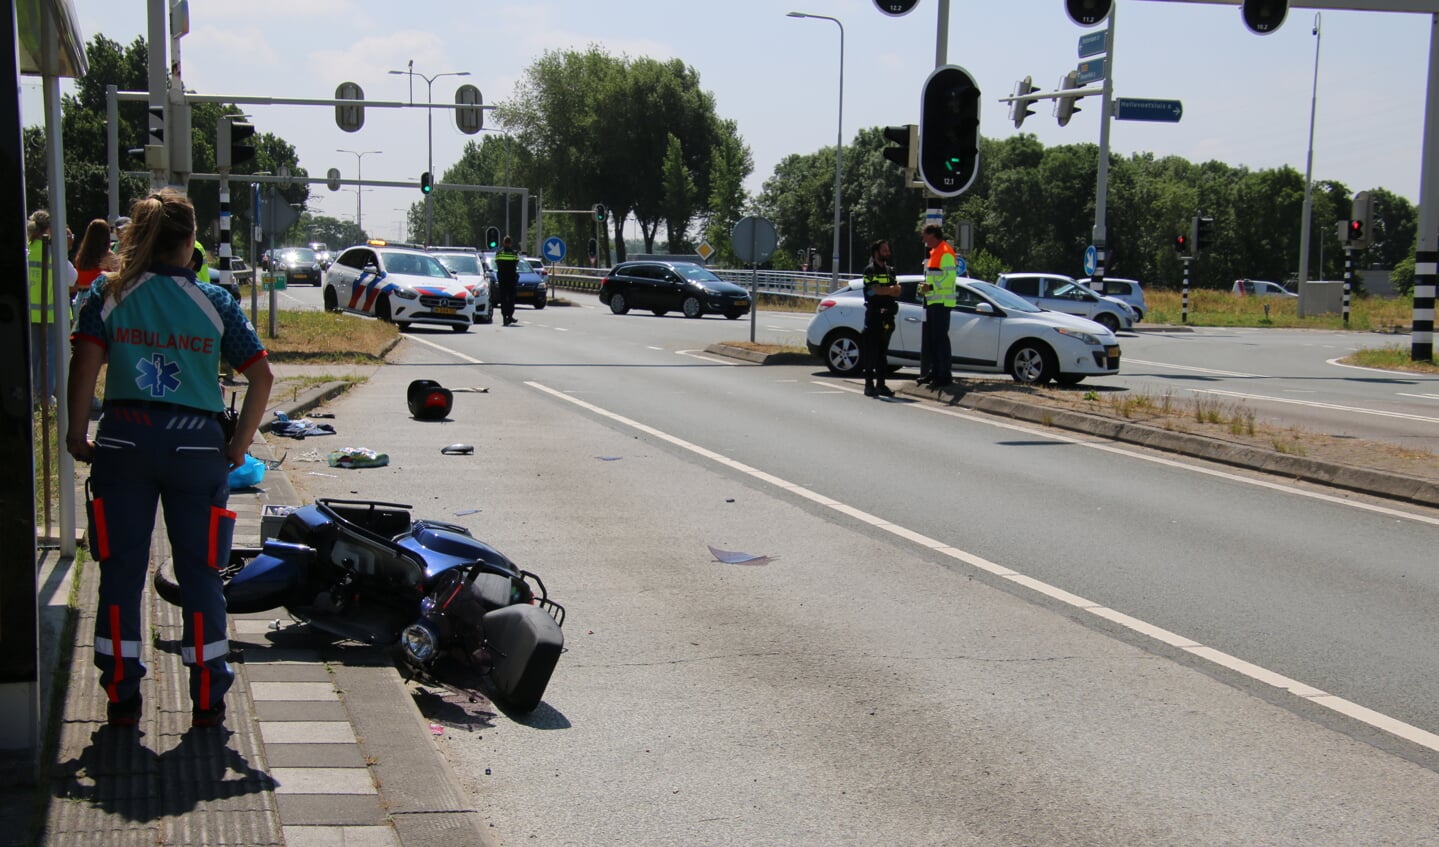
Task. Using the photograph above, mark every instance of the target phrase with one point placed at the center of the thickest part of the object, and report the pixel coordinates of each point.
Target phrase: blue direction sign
(1139, 109)
(553, 249)
(1093, 43)
(1089, 71)
(1091, 260)
(961, 267)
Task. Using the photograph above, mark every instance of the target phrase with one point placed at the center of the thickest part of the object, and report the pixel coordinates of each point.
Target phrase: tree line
(643, 138)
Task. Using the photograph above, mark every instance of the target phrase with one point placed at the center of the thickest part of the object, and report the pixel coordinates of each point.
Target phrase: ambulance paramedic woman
(160, 335)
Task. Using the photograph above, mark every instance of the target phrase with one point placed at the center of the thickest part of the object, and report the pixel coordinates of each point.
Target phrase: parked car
(467, 266)
(991, 330)
(664, 287)
(1125, 290)
(401, 284)
(532, 287)
(1261, 288)
(298, 264)
(1060, 293)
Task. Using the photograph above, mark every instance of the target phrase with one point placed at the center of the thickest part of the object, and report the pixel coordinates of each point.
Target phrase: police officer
(507, 276)
(881, 305)
(940, 275)
(161, 335)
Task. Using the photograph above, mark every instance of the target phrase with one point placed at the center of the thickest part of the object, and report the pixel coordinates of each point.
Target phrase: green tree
(728, 199)
(679, 199)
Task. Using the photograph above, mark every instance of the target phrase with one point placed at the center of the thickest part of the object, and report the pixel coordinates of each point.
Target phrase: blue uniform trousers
(936, 343)
(166, 455)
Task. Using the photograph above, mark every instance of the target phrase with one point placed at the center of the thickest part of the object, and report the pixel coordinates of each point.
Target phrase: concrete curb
(1364, 480)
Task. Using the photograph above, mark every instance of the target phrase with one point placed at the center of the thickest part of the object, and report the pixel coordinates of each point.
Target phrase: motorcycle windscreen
(272, 579)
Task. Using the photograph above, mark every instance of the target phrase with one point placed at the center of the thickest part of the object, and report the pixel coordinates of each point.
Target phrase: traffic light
(1087, 12)
(905, 153)
(427, 183)
(600, 213)
(1264, 16)
(1181, 244)
(1065, 107)
(949, 131)
(1203, 234)
(1361, 230)
(492, 238)
(1019, 109)
(230, 146)
(594, 248)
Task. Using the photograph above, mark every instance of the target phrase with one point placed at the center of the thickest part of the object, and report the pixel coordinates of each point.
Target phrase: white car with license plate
(991, 330)
(467, 266)
(397, 283)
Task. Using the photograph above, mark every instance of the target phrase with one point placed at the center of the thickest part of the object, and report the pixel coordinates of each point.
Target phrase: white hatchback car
(1126, 290)
(469, 268)
(1060, 293)
(398, 283)
(990, 331)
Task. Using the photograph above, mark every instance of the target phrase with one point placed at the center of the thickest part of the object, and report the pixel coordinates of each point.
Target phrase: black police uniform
(507, 275)
(879, 314)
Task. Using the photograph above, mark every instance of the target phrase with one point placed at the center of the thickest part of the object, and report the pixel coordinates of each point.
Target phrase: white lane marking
(1420, 396)
(1382, 722)
(1396, 374)
(1158, 460)
(1191, 368)
(695, 354)
(443, 349)
(1317, 405)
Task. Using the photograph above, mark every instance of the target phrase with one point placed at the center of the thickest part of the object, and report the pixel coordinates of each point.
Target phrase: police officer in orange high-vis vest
(939, 287)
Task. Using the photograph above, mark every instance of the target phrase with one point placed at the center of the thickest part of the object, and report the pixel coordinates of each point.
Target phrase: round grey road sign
(754, 240)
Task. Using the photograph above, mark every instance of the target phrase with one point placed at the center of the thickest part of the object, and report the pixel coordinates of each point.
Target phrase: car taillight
(824, 304)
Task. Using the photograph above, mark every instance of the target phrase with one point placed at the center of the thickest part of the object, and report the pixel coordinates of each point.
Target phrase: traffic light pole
(1184, 293)
(1348, 281)
(1100, 235)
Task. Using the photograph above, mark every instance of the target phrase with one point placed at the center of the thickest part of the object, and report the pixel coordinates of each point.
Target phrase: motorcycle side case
(525, 645)
(272, 579)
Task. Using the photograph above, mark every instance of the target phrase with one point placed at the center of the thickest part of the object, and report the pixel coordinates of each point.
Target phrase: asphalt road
(966, 632)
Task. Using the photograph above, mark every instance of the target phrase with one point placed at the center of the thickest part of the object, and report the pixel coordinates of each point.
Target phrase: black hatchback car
(663, 287)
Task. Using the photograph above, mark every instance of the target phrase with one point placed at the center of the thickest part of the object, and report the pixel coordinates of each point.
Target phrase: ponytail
(159, 225)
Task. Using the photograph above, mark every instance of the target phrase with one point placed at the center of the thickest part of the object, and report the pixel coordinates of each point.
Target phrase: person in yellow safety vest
(939, 300)
(203, 274)
(42, 347)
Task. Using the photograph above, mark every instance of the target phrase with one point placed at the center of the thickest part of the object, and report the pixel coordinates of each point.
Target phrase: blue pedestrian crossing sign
(553, 249)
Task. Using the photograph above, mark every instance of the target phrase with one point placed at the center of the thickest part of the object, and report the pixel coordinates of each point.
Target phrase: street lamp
(430, 114)
(1308, 168)
(838, 143)
(359, 178)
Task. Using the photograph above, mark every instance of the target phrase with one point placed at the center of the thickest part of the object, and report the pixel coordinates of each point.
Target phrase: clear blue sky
(1246, 97)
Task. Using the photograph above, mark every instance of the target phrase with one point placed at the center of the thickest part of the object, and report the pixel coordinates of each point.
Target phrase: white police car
(400, 283)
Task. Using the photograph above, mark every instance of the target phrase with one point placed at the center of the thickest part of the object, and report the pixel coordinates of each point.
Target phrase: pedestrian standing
(39, 254)
(92, 258)
(939, 286)
(507, 276)
(881, 305)
(160, 334)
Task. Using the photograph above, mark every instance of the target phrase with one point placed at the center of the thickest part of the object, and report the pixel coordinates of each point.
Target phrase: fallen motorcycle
(364, 570)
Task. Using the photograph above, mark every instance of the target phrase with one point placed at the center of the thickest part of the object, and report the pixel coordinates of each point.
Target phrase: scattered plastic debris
(299, 429)
(471, 390)
(609, 458)
(729, 557)
(275, 464)
(436, 729)
(357, 457)
(458, 449)
(461, 513)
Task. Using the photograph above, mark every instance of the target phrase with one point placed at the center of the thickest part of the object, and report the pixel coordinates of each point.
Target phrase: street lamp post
(838, 143)
(430, 115)
(359, 178)
(1308, 168)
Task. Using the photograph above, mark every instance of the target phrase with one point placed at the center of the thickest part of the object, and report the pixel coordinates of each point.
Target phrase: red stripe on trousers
(199, 629)
(216, 515)
(102, 530)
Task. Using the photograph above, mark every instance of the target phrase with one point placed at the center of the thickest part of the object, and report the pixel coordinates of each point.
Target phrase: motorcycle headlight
(1080, 336)
(420, 643)
(406, 294)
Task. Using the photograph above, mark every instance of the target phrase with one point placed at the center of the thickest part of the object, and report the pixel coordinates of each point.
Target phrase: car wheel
(1069, 379)
(460, 328)
(1138, 315)
(332, 300)
(1032, 363)
(540, 303)
(692, 308)
(619, 305)
(659, 313)
(402, 326)
(1108, 321)
(382, 310)
(734, 316)
(841, 352)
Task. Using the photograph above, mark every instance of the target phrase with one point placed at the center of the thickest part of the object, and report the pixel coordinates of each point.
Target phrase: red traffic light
(1181, 243)
(1356, 230)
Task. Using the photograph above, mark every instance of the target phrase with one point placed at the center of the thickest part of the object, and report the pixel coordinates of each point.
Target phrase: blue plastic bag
(247, 475)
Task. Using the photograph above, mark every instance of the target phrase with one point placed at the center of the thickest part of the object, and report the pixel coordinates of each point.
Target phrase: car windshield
(414, 264)
(1073, 291)
(461, 263)
(1006, 300)
(696, 273)
(298, 255)
(524, 267)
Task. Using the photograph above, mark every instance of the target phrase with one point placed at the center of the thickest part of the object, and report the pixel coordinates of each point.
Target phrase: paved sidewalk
(323, 745)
